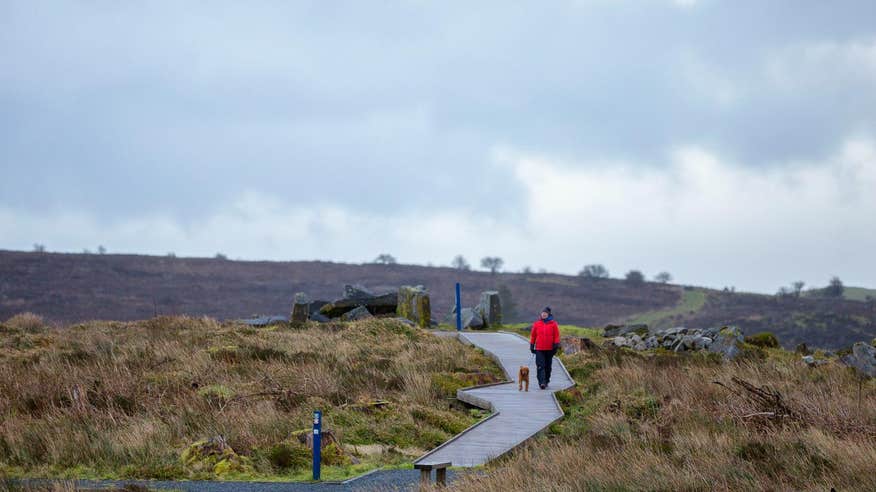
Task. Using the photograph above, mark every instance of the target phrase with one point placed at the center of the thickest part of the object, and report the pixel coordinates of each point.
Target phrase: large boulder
(471, 319)
(381, 304)
(490, 308)
(728, 342)
(360, 312)
(300, 309)
(862, 360)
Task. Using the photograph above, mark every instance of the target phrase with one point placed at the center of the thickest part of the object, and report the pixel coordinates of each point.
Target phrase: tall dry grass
(661, 423)
(125, 399)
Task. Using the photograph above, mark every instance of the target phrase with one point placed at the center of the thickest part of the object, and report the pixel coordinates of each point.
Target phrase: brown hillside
(76, 287)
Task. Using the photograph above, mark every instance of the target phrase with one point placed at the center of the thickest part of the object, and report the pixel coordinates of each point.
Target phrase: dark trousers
(543, 361)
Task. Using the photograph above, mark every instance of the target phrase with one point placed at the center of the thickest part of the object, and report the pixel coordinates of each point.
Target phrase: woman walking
(544, 341)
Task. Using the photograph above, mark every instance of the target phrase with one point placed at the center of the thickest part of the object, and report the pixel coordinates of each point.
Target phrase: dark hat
(547, 309)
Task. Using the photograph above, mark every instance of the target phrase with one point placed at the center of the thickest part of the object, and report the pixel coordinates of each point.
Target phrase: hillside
(663, 421)
(192, 398)
(71, 288)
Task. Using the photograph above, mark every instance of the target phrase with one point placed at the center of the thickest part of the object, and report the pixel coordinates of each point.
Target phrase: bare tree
(101, 250)
(385, 259)
(459, 263)
(634, 278)
(663, 277)
(39, 248)
(492, 263)
(594, 272)
(798, 287)
(527, 270)
(835, 288)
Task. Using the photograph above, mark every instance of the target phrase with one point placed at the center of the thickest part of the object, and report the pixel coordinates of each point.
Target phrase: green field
(691, 302)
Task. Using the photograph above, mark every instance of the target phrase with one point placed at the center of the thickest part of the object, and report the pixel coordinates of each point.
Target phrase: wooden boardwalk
(518, 415)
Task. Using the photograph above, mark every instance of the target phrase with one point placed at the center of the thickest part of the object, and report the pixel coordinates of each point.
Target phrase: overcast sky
(731, 143)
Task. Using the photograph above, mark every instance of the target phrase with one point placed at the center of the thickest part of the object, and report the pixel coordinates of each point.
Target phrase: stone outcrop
(862, 360)
(414, 304)
(726, 341)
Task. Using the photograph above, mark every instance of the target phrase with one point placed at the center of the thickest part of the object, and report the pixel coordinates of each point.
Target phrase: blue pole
(458, 309)
(317, 437)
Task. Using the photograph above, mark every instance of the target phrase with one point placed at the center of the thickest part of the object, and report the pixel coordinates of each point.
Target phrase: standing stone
(300, 309)
(414, 304)
(490, 308)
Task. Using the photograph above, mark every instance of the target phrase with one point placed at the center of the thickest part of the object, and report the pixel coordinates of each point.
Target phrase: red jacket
(544, 335)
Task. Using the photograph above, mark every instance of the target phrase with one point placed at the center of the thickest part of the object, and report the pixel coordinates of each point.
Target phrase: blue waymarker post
(458, 309)
(317, 437)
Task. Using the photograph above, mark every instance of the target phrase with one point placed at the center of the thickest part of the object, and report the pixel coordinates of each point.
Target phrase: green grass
(691, 302)
(849, 293)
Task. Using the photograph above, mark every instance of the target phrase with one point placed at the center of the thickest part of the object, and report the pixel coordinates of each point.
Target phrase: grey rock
(319, 318)
(728, 343)
(651, 342)
(862, 360)
(471, 319)
(356, 314)
(809, 360)
(490, 308)
(640, 346)
(620, 342)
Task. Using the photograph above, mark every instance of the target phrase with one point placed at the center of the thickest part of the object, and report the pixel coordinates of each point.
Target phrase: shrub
(27, 322)
(290, 456)
(764, 339)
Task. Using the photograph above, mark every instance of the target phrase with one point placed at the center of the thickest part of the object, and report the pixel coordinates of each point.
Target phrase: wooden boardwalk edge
(464, 395)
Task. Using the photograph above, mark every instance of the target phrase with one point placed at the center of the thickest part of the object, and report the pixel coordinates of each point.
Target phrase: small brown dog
(523, 378)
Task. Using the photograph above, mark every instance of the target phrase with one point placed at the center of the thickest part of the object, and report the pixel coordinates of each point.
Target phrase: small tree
(385, 259)
(526, 270)
(634, 278)
(171, 255)
(783, 292)
(101, 250)
(835, 288)
(594, 272)
(39, 248)
(220, 256)
(492, 263)
(798, 287)
(663, 277)
(459, 263)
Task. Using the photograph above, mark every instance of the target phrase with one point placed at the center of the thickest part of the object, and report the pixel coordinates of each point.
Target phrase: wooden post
(441, 476)
(425, 475)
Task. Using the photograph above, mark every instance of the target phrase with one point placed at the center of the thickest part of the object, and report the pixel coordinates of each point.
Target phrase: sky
(730, 143)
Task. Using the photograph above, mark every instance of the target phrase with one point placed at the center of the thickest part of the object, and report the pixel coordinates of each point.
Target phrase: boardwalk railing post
(458, 309)
(317, 438)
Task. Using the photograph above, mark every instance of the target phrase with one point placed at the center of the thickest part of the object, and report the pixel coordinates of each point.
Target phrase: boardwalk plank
(520, 414)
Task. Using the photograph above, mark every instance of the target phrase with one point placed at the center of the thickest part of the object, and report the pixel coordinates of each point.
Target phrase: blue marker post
(458, 309)
(317, 437)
